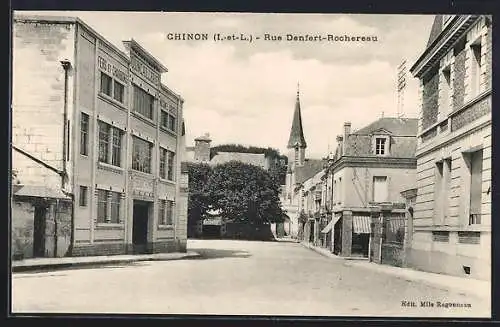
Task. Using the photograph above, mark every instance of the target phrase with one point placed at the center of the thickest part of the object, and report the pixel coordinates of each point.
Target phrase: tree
(199, 198)
(244, 193)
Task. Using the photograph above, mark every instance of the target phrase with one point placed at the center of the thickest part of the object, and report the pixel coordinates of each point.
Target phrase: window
(168, 121)
(380, 143)
(476, 67)
(475, 169)
(339, 193)
(441, 236)
(83, 196)
(442, 186)
(469, 237)
(380, 189)
(169, 214)
(170, 165)
(108, 206)
(143, 102)
(118, 91)
(109, 144)
(141, 155)
(102, 203)
(446, 90)
(163, 163)
(84, 134)
(106, 84)
(161, 212)
(296, 155)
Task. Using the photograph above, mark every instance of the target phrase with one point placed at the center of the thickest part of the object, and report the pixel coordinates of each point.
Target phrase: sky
(244, 92)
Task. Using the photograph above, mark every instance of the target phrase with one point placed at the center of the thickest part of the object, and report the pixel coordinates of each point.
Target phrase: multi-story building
(370, 169)
(299, 170)
(94, 122)
(452, 214)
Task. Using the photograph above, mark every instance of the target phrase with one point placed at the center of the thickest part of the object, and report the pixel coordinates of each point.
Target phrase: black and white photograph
(251, 164)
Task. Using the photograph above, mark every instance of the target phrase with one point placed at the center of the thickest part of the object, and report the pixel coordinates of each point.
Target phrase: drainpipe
(66, 64)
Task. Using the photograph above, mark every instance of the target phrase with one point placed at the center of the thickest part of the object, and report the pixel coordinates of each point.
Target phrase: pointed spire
(297, 133)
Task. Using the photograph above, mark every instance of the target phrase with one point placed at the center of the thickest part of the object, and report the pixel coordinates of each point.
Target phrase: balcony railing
(474, 219)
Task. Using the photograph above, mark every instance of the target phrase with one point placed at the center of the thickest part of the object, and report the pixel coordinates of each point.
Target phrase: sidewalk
(451, 283)
(66, 262)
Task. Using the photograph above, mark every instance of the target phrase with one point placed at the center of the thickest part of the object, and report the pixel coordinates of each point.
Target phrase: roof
(437, 28)
(403, 132)
(310, 168)
(296, 132)
(72, 20)
(256, 159)
(40, 192)
(133, 44)
(396, 126)
(205, 137)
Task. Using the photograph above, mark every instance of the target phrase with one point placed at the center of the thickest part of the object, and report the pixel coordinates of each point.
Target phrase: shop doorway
(337, 237)
(140, 226)
(39, 231)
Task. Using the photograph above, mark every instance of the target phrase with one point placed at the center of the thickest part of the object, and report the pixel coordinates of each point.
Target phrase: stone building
(452, 214)
(94, 123)
(365, 177)
(299, 170)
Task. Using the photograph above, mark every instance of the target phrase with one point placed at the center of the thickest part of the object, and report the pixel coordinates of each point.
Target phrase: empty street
(242, 278)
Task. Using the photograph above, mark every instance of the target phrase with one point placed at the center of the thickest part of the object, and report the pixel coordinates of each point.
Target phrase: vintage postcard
(251, 164)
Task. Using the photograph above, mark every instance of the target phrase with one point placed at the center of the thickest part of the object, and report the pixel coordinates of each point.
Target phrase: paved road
(235, 277)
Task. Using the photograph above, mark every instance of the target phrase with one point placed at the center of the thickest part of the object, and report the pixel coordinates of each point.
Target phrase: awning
(361, 224)
(40, 192)
(332, 223)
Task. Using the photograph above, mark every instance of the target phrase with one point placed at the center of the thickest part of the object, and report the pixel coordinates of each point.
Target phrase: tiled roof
(437, 27)
(256, 159)
(397, 126)
(310, 168)
(40, 192)
(403, 133)
(297, 133)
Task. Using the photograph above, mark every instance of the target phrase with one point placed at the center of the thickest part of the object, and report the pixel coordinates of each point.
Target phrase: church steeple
(296, 138)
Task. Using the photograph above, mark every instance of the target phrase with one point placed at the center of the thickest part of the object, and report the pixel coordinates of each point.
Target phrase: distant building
(369, 170)
(452, 213)
(200, 153)
(299, 170)
(97, 145)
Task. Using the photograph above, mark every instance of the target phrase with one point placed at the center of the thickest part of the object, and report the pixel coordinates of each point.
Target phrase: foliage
(199, 197)
(242, 192)
(245, 192)
(268, 152)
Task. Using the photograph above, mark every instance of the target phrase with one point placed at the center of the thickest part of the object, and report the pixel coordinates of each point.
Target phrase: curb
(365, 264)
(65, 265)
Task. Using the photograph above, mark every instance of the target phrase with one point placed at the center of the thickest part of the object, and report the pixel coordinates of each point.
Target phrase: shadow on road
(218, 253)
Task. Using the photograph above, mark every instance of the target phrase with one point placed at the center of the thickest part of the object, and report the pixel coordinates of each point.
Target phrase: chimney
(202, 148)
(347, 131)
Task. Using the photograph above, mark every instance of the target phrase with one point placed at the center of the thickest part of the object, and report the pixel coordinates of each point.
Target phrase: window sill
(111, 100)
(110, 226)
(144, 119)
(167, 181)
(165, 227)
(109, 167)
(168, 131)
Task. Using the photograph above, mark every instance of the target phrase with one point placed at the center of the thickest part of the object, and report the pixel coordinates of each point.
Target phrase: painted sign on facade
(143, 69)
(111, 69)
(142, 186)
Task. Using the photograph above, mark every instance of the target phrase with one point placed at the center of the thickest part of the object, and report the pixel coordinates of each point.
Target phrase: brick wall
(38, 97)
(430, 98)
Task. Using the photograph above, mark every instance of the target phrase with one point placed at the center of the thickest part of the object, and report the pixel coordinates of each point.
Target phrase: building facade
(452, 216)
(299, 170)
(365, 177)
(100, 117)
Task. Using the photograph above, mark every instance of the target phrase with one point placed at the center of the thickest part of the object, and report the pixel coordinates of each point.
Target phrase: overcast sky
(242, 92)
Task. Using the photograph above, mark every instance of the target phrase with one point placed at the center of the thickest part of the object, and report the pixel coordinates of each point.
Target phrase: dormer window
(380, 146)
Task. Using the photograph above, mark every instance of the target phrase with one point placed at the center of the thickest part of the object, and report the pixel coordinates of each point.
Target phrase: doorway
(140, 226)
(39, 231)
(337, 237)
